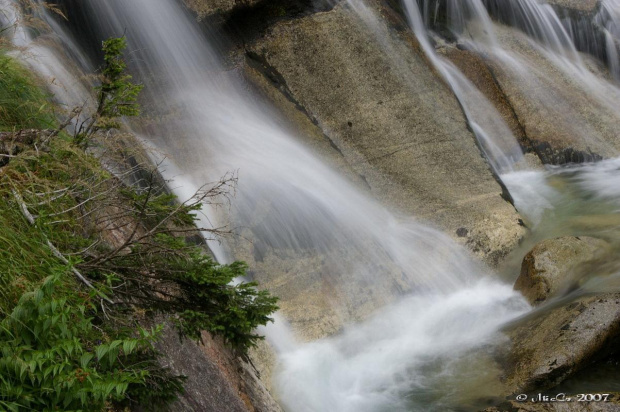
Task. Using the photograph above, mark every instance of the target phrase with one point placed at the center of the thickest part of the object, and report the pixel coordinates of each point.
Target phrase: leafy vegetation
(70, 342)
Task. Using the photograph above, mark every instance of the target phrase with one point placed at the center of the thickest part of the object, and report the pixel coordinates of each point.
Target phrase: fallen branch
(54, 249)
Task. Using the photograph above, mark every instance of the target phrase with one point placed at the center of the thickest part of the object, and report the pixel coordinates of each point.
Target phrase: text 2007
(592, 397)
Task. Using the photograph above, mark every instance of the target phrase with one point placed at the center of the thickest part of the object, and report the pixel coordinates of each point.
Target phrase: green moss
(23, 103)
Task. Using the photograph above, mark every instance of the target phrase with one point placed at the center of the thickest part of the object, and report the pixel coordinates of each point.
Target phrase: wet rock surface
(376, 108)
(547, 268)
(208, 8)
(550, 346)
(566, 118)
(578, 5)
(474, 67)
(394, 121)
(216, 379)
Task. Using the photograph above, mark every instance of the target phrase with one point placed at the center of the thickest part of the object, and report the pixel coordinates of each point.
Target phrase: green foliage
(50, 358)
(60, 348)
(23, 105)
(206, 296)
(116, 96)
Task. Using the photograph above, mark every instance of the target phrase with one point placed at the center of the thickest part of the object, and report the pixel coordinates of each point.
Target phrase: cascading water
(307, 209)
(294, 207)
(48, 62)
(528, 62)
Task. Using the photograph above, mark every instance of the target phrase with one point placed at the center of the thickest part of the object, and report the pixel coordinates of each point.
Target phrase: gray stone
(217, 380)
(547, 268)
(587, 6)
(208, 8)
(547, 348)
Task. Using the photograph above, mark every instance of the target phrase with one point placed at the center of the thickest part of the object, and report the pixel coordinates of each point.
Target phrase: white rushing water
(289, 202)
(547, 65)
(403, 358)
(496, 140)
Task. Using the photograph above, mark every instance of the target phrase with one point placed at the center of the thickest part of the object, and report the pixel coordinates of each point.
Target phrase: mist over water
(401, 359)
(437, 305)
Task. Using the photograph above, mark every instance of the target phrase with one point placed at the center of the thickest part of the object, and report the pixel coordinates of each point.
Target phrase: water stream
(439, 311)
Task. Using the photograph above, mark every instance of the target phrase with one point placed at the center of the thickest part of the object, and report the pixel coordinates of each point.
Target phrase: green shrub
(52, 357)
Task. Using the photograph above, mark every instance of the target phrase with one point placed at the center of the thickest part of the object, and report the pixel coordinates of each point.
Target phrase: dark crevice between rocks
(398, 15)
(505, 194)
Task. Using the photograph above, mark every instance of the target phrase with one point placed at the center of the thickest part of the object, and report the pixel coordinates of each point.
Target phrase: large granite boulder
(568, 334)
(548, 267)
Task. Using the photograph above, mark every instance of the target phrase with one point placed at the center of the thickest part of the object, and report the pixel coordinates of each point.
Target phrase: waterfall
(496, 140)
(290, 203)
(49, 62)
(437, 305)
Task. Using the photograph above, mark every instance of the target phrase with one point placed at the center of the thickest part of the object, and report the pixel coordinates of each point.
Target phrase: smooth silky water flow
(426, 348)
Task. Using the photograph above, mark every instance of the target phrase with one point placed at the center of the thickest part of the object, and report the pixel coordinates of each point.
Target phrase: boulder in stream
(547, 267)
(548, 347)
(565, 335)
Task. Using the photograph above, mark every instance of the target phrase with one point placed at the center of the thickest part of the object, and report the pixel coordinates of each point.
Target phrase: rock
(546, 269)
(587, 6)
(567, 117)
(612, 405)
(216, 379)
(476, 70)
(208, 8)
(393, 119)
(385, 115)
(548, 348)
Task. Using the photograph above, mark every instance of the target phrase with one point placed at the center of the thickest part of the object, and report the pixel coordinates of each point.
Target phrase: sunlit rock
(547, 268)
